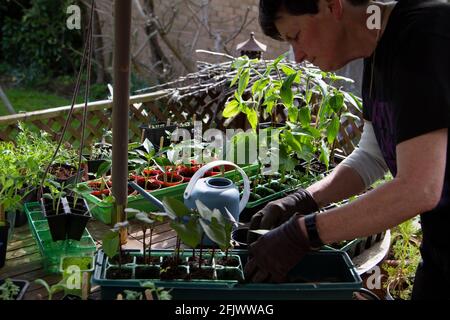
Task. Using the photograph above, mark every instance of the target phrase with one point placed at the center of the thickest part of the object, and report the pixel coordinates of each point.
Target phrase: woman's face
(316, 38)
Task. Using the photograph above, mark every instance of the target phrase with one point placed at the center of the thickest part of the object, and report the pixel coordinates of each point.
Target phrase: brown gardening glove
(279, 211)
(276, 253)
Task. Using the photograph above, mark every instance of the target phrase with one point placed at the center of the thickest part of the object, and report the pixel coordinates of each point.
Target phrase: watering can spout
(147, 195)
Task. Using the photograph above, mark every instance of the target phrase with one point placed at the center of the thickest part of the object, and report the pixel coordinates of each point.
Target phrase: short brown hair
(268, 12)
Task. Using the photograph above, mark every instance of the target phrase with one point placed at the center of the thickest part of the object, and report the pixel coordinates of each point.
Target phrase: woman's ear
(335, 7)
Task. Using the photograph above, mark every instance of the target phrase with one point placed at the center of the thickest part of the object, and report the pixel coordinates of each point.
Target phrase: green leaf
(81, 189)
(190, 233)
(259, 86)
(351, 115)
(240, 62)
(293, 141)
(236, 78)
(278, 60)
(305, 116)
(323, 87)
(110, 243)
(308, 97)
(243, 82)
(292, 113)
(231, 109)
(175, 207)
(216, 232)
(104, 168)
(286, 91)
(44, 284)
(337, 102)
(203, 210)
(231, 219)
(356, 102)
(333, 130)
(148, 146)
(252, 117)
(162, 161)
(324, 110)
(324, 154)
(143, 218)
(287, 70)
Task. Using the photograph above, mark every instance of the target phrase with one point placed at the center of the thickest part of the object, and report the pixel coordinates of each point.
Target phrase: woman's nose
(299, 54)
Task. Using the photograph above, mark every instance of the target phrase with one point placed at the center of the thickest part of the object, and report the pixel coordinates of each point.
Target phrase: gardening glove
(279, 211)
(276, 253)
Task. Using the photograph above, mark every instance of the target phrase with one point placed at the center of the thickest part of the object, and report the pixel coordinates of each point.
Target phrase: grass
(30, 100)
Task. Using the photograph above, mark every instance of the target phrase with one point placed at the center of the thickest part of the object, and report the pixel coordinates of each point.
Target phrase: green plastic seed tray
(52, 251)
(103, 211)
(323, 275)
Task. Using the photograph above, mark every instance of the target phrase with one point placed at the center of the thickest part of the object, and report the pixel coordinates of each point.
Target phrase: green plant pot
(4, 230)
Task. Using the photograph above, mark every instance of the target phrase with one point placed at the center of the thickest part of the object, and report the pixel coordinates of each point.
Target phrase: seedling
(160, 293)
(51, 290)
(147, 223)
(56, 194)
(111, 242)
(8, 290)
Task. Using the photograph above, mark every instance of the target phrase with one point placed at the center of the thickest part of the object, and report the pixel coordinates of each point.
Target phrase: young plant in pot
(186, 224)
(147, 221)
(67, 216)
(152, 167)
(79, 213)
(53, 209)
(219, 229)
(12, 289)
(100, 153)
(169, 178)
(112, 247)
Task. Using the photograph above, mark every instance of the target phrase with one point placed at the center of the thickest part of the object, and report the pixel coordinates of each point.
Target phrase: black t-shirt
(410, 93)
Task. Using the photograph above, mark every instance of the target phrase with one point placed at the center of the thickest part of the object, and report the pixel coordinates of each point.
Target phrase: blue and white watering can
(214, 192)
(217, 192)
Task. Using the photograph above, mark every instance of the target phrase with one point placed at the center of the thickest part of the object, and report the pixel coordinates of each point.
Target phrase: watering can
(214, 192)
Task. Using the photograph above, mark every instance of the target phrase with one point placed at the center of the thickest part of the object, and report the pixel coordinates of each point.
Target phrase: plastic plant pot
(172, 179)
(23, 286)
(77, 218)
(56, 217)
(187, 172)
(65, 174)
(4, 230)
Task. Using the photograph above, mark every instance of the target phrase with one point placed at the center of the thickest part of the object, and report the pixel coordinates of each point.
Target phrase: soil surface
(117, 273)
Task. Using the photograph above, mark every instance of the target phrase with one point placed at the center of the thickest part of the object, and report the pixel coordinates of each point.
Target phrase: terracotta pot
(187, 172)
(173, 179)
(151, 185)
(151, 172)
(211, 173)
(97, 189)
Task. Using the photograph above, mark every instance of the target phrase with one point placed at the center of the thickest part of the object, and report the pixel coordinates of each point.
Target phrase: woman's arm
(417, 188)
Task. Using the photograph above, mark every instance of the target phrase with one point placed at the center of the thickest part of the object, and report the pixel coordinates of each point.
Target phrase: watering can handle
(201, 172)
